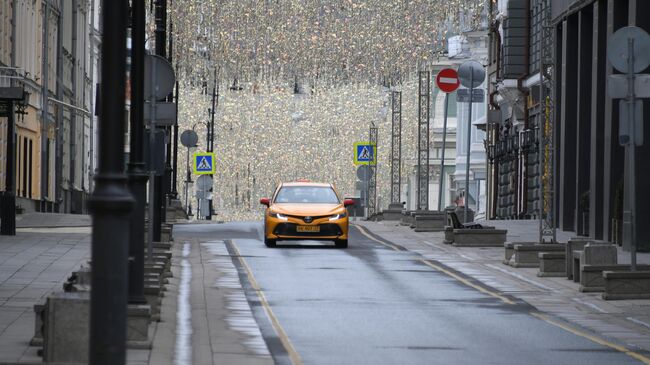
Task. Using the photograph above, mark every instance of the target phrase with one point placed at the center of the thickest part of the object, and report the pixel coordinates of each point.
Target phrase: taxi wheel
(341, 243)
(269, 243)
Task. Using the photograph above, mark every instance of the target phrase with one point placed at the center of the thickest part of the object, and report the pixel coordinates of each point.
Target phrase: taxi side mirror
(265, 201)
(348, 202)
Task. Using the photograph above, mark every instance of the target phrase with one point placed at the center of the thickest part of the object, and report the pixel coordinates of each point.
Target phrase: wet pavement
(394, 296)
(374, 303)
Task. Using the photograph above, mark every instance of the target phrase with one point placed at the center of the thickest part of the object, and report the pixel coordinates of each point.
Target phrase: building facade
(589, 171)
(45, 46)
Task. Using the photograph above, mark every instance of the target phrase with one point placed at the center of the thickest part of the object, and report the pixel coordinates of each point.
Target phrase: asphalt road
(375, 303)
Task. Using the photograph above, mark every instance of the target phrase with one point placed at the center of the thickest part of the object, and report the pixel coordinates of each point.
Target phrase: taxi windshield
(307, 194)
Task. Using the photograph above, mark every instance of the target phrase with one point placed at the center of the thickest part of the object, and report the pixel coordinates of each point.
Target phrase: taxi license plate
(308, 229)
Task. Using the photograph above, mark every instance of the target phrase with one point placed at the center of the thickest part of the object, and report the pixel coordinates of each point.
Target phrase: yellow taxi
(305, 210)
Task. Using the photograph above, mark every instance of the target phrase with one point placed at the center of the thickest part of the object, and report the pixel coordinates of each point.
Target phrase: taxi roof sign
(203, 163)
(364, 153)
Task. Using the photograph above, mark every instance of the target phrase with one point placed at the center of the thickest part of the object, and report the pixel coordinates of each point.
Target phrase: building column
(613, 153)
(598, 102)
(583, 118)
(639, 17)
(568, 124)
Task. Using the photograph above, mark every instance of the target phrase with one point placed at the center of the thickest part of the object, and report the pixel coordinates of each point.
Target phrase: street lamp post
(136, 168)
(111, 202)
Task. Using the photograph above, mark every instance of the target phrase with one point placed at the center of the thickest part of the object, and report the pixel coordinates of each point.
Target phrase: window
(307, 194)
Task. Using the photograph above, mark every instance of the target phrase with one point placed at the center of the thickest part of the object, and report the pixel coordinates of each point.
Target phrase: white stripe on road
(183, 353)
(631, 319)
(520, 277)
(448, 80)
(590, 305)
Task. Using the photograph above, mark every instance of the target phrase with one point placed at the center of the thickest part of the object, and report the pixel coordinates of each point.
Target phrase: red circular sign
(447, 80)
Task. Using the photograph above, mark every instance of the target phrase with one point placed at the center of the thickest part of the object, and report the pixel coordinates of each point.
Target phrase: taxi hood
(301, 209)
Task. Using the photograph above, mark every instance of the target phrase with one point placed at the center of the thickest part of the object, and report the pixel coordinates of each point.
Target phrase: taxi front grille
(289, 229)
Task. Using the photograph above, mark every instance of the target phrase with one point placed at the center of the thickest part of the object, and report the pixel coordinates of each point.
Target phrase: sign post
(471, 74)
(629, 52)
(447, 81)
(189, 138)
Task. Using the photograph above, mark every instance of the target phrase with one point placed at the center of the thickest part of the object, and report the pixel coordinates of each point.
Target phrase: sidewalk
(47, 248)
(625, 321)
(34, 263)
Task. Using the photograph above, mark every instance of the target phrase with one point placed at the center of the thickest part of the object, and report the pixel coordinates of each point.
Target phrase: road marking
(520, 277)
(365, 233)
(183, 353)
(467, 282)
(442, 269)
(631, 319)
(597, 340)
(590, 305)
(293, 354)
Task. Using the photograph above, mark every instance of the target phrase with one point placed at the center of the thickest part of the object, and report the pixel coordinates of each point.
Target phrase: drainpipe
(73, 116)
(521, 160)
(44, 108)
(91, 41)
(58, 180)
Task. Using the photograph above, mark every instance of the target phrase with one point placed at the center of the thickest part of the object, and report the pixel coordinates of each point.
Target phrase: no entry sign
(447, 80)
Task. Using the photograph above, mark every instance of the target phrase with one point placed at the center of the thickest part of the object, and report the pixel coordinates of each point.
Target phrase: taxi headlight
(279, 216)
(338, 216)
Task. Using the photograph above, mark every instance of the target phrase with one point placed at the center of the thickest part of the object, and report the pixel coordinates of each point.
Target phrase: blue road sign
(203, 163)
(364, 153)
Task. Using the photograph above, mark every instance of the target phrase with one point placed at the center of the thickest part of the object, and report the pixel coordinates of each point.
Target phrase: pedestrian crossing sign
(203, 163)
(364, 153)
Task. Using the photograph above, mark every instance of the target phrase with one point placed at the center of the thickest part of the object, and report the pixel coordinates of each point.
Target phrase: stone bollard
(39, 314)
(153, 295)
(137, 331)
(67, 329)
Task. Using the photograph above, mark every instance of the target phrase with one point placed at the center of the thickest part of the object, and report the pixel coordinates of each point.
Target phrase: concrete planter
(510, 250)
(626, 285)
(591, 276)
(393, 213)
(479, 237)
(430, 222)
(574, 244)
(593, 254)
(528, 255)
(552, 264)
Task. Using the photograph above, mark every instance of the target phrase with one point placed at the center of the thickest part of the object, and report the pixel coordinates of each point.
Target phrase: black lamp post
(136, 168)
(111, 202)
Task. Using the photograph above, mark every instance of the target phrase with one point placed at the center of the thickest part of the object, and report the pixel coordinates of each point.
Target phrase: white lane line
(631, 319)
(590, 305)
(183, 353)
(520, 277)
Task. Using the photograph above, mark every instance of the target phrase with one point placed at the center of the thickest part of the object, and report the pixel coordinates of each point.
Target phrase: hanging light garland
(301, 81)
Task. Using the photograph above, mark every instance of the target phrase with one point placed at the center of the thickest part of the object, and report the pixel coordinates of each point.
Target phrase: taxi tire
(269, 243)
(341, 243)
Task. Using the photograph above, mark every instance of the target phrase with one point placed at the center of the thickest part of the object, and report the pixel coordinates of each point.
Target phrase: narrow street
(373, 303)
